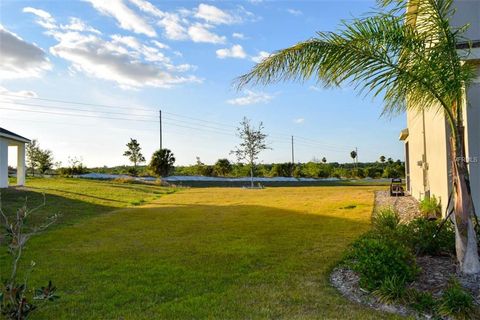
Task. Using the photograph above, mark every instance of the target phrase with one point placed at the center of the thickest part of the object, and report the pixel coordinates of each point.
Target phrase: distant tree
(134, 154)
(353, 154)
(391, 172)
(382, 159)
(324, 160)
(390, 160)
(44, 160)
(32, 149)
(253, 143)
(37, 158)
(222, 167)
(162, 162)
(282, 169)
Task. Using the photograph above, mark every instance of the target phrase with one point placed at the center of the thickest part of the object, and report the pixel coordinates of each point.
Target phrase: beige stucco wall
(436, 148)
(436, 151)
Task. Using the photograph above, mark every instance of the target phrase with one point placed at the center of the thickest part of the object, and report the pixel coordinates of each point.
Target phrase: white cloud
(174, 28)
(236, 51)
(20, 59)
(43, 17)
(160, 45)
(200, 33)
(315, 88)
(212, 14)
(126, 18)
(295, 12)
(299, 120)
(45, 20)
(238, 35)
(109, 60)
(260, 56)
(77, 24)
(148, 7)
(251, 97)
(9, 96)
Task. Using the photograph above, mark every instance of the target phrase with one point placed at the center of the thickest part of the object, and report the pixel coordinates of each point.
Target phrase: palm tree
(395, 55)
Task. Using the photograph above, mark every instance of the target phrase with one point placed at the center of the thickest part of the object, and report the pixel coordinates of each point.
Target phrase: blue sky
(179, 56)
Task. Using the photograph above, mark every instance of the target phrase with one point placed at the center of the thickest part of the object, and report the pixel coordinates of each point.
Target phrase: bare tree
(253, 143)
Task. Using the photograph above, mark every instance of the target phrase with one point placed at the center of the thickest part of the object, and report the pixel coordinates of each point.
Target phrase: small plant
(425, 237)
(385, 218)
(431, 208)
(456, 302)
(421, 301)
(15, 297)
(391, 289)
(377, 258)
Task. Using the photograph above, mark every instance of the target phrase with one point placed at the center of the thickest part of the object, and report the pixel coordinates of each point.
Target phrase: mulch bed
(434, 276)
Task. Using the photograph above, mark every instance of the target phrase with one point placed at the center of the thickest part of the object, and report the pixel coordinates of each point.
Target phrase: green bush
(376, 258)
(456, 302)
(385, 219)
(430, 207)
(391, 289)
(424, 237)
(421, 301)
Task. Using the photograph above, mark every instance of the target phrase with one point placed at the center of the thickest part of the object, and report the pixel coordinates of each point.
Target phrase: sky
(83, 77)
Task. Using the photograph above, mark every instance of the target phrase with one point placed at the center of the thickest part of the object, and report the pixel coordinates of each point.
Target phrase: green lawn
(195, 253)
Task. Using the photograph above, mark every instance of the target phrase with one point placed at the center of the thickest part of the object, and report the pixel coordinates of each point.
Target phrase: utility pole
(293, 159)
(356, 158)
(160, 119)
(293, 152)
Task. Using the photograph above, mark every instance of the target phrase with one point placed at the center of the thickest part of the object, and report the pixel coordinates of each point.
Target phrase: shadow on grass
(191, 261)
(71, 210)
(40, 190)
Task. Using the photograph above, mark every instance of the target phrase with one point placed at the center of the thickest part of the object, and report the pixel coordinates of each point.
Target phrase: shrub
(421, 301)
(385, 219)
(376, 258)
(391, 289)
(456, 302)
(430, 207)
(424, 237)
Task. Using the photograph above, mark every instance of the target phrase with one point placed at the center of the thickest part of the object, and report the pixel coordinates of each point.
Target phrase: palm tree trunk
(465, 236)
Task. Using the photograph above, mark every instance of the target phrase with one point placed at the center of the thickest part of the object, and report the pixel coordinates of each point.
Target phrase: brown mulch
(435, 272)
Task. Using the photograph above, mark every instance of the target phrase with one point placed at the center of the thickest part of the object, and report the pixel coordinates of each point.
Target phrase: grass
(76, 199)
(197, 253)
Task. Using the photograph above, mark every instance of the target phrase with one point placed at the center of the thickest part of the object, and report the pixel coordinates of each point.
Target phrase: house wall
(468, 12)
(472, 133)
(434, 148)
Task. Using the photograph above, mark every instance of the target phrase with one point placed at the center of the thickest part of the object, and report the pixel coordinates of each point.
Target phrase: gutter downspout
(426, 188)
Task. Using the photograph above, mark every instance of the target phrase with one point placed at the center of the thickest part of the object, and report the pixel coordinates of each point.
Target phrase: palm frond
(380, 55)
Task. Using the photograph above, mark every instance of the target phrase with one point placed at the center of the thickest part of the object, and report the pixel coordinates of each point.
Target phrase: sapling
(15, 295)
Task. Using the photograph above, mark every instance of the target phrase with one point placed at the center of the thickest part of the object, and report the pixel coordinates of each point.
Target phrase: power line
(152, 111)
(218, 126)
